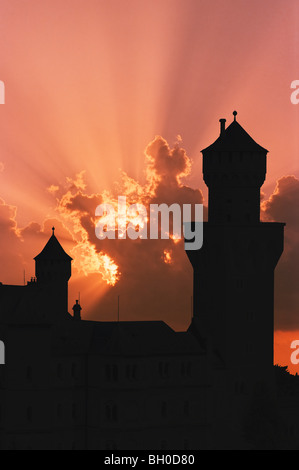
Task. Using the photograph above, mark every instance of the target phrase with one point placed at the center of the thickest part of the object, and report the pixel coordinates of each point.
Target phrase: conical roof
(235, 138)
(53, 250)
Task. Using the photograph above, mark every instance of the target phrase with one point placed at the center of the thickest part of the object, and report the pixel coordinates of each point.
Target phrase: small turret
(52, 263)
(53, 270)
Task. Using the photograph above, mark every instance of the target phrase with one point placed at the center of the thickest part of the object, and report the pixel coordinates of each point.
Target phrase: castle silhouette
(71, 384)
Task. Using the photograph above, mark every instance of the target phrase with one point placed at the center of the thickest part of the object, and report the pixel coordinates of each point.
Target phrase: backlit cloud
(142, 270)
(282, 206)
(153, 278)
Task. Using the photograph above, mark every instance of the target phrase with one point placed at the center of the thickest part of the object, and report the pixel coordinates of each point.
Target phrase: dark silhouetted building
(234, 279)
(68, 383)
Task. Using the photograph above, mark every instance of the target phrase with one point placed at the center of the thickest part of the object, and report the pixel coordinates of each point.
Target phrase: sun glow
(88, 261)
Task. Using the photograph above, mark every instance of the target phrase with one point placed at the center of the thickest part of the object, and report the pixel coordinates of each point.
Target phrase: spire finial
(53, 229)
(235, 114)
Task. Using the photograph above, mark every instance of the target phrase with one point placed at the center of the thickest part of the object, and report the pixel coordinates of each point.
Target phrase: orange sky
(90, 83)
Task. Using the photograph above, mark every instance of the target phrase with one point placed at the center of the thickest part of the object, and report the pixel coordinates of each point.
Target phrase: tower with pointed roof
(53, 271)
(234, 169)
(234, 270)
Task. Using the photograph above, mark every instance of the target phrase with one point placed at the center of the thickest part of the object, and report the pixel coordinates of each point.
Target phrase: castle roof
(53, 250)
(234, 138)
(136, 338)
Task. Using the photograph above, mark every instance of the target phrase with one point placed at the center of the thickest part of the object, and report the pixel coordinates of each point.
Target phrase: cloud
(19, 245)
(78, 182)
(166, 164)
(8, 222)
(10, 241)
(282, 206)
(53, 188)
(152, 277)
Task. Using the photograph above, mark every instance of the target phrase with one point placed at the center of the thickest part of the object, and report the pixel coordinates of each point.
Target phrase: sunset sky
(118, 97)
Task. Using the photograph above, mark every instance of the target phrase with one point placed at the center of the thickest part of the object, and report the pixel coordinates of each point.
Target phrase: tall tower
(234, 269)
(53, 270)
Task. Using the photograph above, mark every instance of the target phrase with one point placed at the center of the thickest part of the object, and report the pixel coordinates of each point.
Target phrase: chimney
(222, 125)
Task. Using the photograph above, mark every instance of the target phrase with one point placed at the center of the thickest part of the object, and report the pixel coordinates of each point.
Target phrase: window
(59, 371)
(59, 411)
(163, 409)
(239, 387)
(250, 315)
(163, 369)
(29, 413)
(111, 372)
(186, 408)
(29, 373)
(131, 371)
(186, 369)
(111, 412)
(74, 370)
(74, 411)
